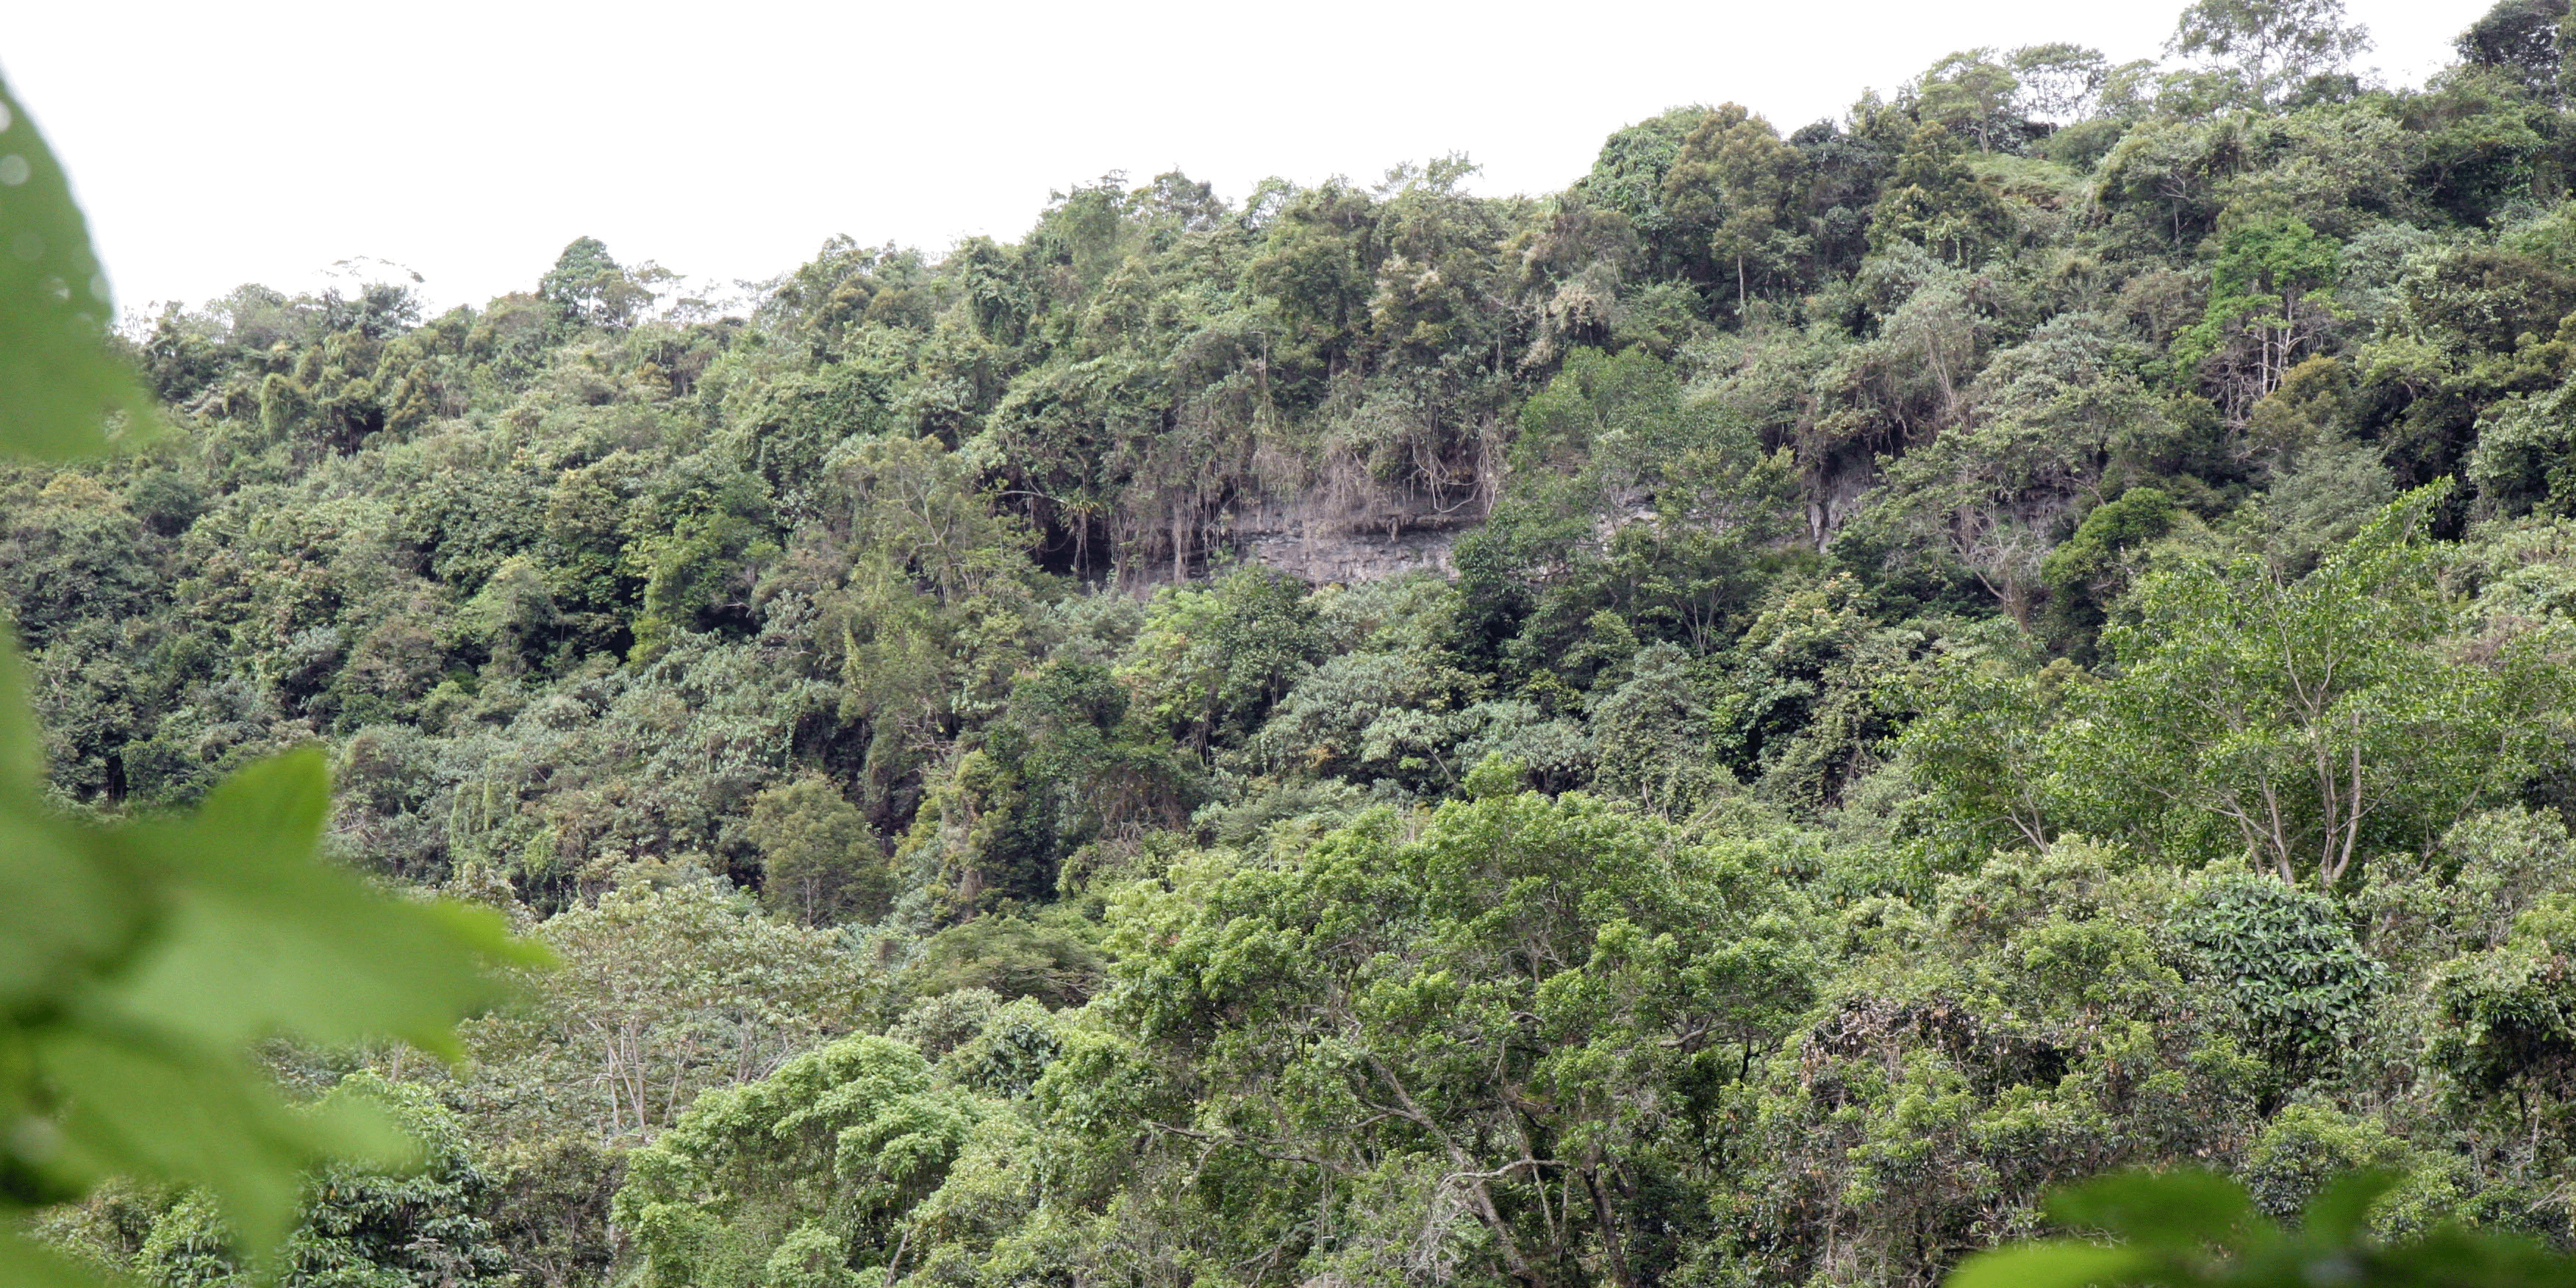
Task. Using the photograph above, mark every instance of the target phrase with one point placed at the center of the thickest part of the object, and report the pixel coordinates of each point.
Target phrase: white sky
(264, 140)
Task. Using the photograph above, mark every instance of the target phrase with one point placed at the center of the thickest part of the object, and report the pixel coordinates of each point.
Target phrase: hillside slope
(1730, 724)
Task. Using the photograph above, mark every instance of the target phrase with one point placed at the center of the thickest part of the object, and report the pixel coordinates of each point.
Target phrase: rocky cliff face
(1323, 543)
(1322, 552)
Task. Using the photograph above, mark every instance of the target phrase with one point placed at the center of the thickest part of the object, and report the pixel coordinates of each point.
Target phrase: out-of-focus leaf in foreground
(2197, 1230)
(149, 956)
(63, 393)
(139, 961)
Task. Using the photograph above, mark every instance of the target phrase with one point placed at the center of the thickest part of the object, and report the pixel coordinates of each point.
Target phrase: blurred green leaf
(62, 906)
(59, 383)
(262, 940)
(2179, 1220)
(66, 907)
(22, 762)
(145, 1105)
(246, 936)
(144, 959)
(140, 961)
(28, 1265)
(2048, 1265)
(2168, 1210)
(2340, 1213)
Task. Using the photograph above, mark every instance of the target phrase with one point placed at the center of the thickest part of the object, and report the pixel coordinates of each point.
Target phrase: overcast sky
(264, 140)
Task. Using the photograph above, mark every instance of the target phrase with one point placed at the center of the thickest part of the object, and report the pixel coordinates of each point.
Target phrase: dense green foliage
(1739, 723)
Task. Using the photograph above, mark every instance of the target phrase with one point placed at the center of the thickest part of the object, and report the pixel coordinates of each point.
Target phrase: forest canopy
(1742, 722)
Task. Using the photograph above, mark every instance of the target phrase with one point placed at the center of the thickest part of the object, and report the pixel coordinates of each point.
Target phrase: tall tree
(2262, 52)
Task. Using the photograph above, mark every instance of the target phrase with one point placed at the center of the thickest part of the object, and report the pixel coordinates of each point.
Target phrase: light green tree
(2267, 302)
(819, 862)
(800, 1179)
(662, 994)
(1737, 178)
(2307, 721)
(2262, 51)
(1486, 1003)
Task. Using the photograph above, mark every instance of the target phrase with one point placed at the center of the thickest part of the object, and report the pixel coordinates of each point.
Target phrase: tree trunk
(1613, 1249)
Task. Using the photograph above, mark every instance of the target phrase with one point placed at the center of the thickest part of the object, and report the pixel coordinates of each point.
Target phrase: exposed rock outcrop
(1321, 549)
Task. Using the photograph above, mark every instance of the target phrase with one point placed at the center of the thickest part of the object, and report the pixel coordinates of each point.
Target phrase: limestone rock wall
(1323, 544)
